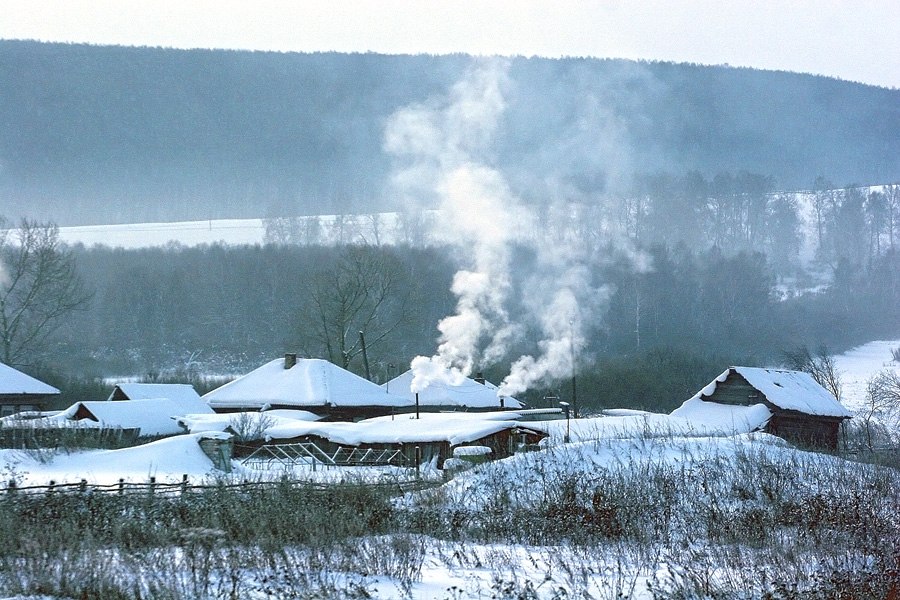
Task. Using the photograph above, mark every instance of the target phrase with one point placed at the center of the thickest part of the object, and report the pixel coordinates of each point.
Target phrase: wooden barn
(802, 411)
(21, 393)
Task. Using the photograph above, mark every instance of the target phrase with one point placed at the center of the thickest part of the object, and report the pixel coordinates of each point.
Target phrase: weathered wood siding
(736, 391)
(796, 427)
(806, 430)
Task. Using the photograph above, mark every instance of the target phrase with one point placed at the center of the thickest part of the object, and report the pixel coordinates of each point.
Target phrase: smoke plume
(442, 149)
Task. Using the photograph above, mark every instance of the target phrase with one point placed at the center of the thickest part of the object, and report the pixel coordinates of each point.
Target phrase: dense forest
(694, 305)
(92, 134)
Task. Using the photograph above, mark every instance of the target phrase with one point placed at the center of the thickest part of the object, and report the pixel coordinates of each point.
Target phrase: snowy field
(636, 455)
(857, 366)
(186, 233)
(381, 228)
(329, 229)
(715, 465)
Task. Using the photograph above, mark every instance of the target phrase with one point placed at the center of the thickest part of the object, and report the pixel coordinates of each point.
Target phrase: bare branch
(39, 286)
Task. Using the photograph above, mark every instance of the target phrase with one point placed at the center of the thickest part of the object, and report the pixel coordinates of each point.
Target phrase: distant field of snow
(187, 233)
(382, 228)
(857, 366)
(328, 229)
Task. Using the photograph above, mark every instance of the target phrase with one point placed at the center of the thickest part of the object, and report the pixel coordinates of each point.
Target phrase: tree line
(720, 282)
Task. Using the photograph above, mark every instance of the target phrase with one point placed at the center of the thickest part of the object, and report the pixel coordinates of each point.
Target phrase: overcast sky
(857, 40)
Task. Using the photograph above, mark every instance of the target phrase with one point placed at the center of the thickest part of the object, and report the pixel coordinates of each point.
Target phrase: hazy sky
(857, 40)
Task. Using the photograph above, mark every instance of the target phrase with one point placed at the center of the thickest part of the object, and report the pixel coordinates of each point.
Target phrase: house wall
(805, 430)
(15, 403)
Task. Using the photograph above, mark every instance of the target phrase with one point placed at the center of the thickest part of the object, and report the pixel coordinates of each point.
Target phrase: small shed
(20, 392)
(802, 411)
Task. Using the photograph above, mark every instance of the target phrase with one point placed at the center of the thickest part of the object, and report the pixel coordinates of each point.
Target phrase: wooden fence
(155, 488)
(65, 435)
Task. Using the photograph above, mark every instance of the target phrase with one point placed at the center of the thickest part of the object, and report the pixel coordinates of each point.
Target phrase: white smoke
(444, 146)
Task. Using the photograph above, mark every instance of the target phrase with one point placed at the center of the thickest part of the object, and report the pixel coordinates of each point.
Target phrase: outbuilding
(20, 392)
(798, 409)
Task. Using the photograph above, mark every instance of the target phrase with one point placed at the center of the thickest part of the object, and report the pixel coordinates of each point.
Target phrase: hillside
(92, 134)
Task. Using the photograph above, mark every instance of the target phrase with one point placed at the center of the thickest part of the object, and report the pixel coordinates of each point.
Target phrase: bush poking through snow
(250, 426)
(628, 518)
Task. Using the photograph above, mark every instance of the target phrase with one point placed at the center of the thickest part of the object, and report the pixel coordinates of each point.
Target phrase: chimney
(290, 360)
(479, 377)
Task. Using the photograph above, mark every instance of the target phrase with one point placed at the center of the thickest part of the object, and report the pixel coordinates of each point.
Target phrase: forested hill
(92, 134)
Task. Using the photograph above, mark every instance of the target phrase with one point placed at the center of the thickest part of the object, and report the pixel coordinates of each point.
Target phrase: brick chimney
(479, 377)
(290, 360)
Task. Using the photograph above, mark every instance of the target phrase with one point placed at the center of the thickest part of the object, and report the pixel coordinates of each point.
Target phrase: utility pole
(574, 388)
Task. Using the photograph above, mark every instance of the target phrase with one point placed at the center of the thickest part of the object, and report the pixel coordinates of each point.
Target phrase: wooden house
(310, 384)
(799, 409)
(21, 393)
(452, 393)
(152, 417)
(180, 393)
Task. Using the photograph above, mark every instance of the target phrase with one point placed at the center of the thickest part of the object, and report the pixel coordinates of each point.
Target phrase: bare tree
(39, 286)
(820, 366)
(882, 405)
(367, 290)
(281, 230)
(892, 206)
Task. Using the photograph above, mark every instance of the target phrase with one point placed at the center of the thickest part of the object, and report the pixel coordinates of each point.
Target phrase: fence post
(121, 485)
(152, 485)
(11, 489)
(418, 460)
(82, 486)
(51, 486)
(184, 484)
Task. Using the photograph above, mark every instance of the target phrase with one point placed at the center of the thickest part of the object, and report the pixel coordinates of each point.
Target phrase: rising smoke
(443, 152)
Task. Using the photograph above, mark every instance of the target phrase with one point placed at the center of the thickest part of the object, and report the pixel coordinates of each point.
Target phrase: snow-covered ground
(621, 440)
(167, 460)
(857, 366)
(383, 228)
(329, 229)
(187, 233)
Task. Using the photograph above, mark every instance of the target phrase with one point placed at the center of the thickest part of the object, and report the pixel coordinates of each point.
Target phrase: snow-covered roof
(222, 421)
(167, 460)
(179, 392)
(788, 390)
(310, 382)
(154, 416)
(725, 418)
(13, 382)
(455, 428)
(469, 393)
